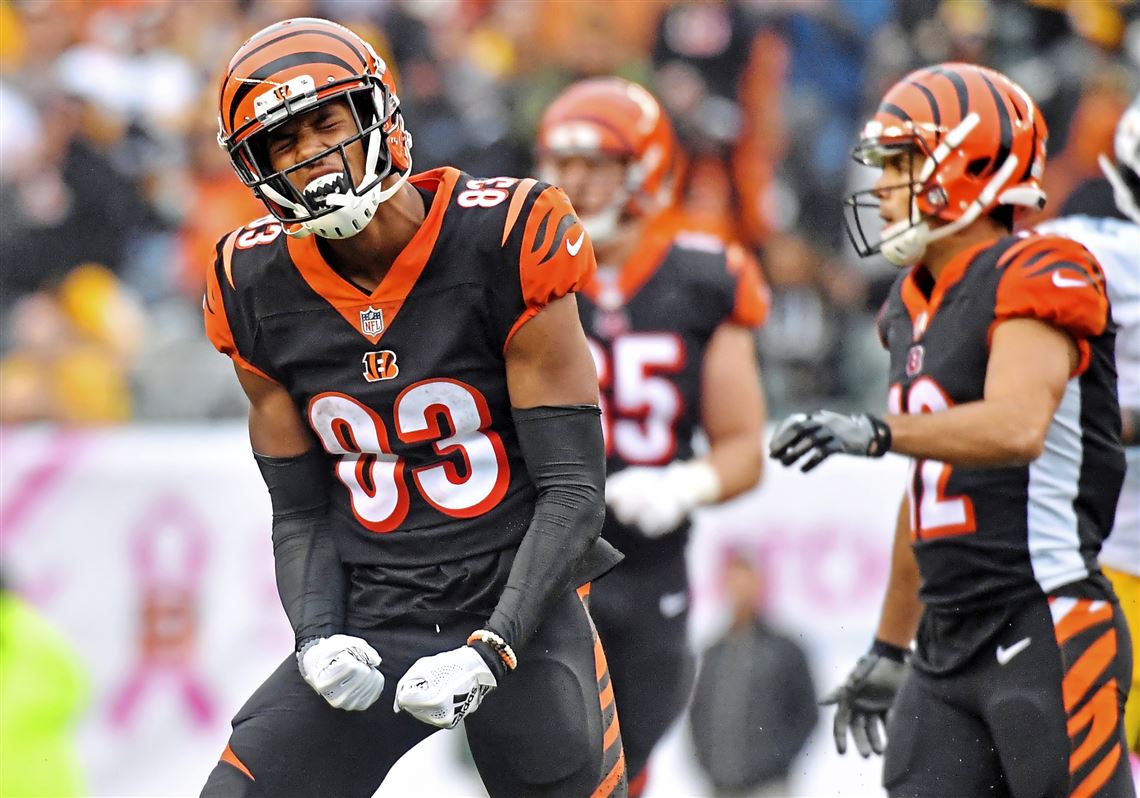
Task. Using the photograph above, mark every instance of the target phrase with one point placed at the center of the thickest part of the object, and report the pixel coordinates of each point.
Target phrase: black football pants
(1037, 713)
(642, 610)
(550, 730)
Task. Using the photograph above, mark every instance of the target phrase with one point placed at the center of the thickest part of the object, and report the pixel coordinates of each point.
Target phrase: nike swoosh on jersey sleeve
(554, 253)
(1058, 281)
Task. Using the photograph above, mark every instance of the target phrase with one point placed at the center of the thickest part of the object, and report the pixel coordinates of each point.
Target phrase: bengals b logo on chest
(380, 365)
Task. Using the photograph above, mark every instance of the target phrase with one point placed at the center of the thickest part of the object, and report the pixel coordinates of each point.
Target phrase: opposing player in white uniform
(1116, 244)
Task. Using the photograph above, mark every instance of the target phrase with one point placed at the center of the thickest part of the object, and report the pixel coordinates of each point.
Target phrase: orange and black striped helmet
(981, 138)
(614, 117)
(287, 69)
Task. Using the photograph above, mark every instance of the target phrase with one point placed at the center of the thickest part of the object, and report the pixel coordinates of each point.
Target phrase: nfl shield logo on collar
(371, 321)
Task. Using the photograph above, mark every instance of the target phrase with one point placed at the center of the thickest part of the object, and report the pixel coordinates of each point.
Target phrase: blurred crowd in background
(113, 191)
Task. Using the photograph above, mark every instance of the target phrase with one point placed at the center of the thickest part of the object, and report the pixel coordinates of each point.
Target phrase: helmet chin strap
(905, 242)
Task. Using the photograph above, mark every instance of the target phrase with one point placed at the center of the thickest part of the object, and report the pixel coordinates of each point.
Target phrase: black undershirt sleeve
(565, 456)
(310, 576)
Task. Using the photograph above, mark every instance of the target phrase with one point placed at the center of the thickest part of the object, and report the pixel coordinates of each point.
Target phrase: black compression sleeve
(310, 577)
(565, 455)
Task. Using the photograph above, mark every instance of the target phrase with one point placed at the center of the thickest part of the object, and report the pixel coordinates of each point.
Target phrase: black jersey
(405, 387)
(985, 537)
(649, 325)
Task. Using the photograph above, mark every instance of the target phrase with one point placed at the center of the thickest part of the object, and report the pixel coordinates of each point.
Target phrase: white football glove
(342, 669)
(440, 690)
(657, 500)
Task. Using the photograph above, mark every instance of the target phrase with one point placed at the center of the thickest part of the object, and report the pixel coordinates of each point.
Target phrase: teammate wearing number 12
(1003, 393)
(669, 317)
(423, 407)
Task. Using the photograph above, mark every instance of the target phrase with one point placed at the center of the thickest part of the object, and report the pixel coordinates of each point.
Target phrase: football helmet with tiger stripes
(290, 68)
(1124, 175)
(975, 141)
(613, 117)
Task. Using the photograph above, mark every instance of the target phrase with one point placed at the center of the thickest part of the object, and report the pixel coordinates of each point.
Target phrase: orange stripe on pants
(1102, 713)
(1099, 776)
(1080, 618)
(1087, 669)
(612, 735)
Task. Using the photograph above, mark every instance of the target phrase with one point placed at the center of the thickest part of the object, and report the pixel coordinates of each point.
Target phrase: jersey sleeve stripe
(1079, 267)
(1008, 256)
(1050, 253)
(228, 257)
(540, 234)
(564, 224)
(214, 309)
(517, 200)
(1025, 254)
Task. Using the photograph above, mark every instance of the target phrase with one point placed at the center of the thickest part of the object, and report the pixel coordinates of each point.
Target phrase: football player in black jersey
(1003, 393)
(669, 316)
(423, 407)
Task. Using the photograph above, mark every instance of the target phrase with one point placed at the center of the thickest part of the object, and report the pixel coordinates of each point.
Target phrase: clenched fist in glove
(861, 702)
(824, 433)
(343, 669)
(440, 690)
(657, 500)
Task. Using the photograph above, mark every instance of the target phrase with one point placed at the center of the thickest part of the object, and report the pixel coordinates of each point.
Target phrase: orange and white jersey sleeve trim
(1058, 281)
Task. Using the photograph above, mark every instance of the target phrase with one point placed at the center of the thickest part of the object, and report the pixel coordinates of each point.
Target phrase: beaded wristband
(500, 646)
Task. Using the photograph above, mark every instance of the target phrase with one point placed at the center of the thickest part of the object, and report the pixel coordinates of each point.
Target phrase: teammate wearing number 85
(1003, 393)
(669, 317)
(423, 407)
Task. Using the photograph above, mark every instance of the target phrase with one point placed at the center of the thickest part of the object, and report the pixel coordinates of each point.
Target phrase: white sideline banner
(149, 547)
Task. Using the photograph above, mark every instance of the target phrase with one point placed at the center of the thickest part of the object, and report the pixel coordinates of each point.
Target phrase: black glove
(863, 700)
(823, 433)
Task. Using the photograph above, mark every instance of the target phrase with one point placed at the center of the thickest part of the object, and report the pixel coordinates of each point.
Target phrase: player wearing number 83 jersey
(423, 410)
(404, 385)
(405, 388)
